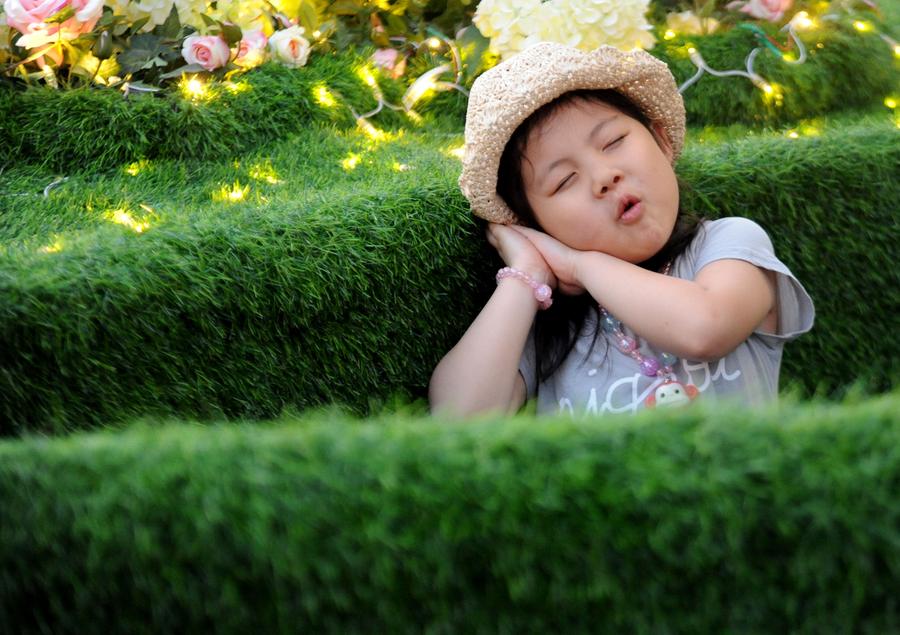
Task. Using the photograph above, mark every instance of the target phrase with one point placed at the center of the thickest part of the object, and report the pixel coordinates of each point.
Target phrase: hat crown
(504, 96)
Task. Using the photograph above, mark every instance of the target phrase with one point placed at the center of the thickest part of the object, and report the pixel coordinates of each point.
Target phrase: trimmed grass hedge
(353, 294)
(692, 521)
(98, 129)
(850, 70)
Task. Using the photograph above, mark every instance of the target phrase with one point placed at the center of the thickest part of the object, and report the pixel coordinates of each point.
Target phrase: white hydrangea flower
(158, 10)
(587, 24)
(507, 23)
(247, 14)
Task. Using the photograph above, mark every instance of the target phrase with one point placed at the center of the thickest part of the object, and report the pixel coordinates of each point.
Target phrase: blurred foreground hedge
(694, 521)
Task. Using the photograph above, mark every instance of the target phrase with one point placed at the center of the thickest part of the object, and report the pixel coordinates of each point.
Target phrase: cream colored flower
(507, 23)
(687, 23)
(250, 15)
(587, 24)
(289, 47)
(158, 10)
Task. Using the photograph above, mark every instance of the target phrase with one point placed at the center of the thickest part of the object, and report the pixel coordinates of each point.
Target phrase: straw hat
(504, 96)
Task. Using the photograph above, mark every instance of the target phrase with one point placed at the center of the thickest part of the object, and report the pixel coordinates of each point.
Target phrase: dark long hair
(556, 329)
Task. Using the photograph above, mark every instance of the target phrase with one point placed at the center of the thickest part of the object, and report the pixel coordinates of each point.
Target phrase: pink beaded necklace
(670, 391)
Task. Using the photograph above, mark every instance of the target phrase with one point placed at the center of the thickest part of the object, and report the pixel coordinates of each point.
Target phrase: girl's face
(598, 180)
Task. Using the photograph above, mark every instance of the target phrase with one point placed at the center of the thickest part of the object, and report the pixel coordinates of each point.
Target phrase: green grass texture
(86, 129)
(337, 282)
(700, 520)
(845, 68)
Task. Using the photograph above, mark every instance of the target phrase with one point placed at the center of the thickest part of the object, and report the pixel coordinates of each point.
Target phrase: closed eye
(614, 143)
(562, 183)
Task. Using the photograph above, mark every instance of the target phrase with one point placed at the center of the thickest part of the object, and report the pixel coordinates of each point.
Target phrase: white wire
(702, 66)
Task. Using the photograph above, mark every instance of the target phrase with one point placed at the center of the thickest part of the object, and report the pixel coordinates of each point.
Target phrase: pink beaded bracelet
(542, 292)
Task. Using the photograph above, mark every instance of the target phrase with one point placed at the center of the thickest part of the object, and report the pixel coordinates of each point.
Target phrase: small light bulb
(195, 88)
(669, 34)
(371, 131)
(890, 102)
(350, 162)
(317, 34)
(802, 20)
(862, 26)
(433, 43)
(458, 152)
(793, 134)
(367, 77)
(324, 97)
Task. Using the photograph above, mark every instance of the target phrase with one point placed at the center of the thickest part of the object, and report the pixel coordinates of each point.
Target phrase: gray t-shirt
(610, 381)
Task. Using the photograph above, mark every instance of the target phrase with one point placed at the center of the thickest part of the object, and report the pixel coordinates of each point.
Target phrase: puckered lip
(625, 202)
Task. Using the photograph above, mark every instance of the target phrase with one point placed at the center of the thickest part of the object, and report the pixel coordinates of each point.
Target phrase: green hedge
(354, 298)
(696, 521)
(850, 70)
(98, 129)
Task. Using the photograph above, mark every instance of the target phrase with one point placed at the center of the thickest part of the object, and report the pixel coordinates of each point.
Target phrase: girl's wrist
(537, 272)
(587, 261)
(541, 291)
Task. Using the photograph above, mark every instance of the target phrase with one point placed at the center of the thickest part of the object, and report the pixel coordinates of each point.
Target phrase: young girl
(570, 156)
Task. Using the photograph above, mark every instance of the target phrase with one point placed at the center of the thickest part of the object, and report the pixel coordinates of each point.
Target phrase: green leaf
(145, 87)
(345, 7)
(139, 23)
(61, 16)
(308, 16)
(395, 24)
(145, 51)
(183, 70)
(109, 19)
(472, 48)
(171, 28)
(208, 21)
(231, 33)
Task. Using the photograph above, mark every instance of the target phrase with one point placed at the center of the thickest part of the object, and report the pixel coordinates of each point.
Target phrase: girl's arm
(702, 319)
(481, 372)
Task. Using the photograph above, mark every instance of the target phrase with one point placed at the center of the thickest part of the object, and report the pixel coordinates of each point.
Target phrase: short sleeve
(743, 239)
(528, 365)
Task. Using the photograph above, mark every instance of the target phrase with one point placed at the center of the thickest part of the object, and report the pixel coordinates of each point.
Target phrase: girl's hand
(519, 252)
(561, 258)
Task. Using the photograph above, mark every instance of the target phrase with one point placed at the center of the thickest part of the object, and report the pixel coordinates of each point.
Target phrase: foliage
(128, 45)
(844, 69)
(346, 266)
(698, 521)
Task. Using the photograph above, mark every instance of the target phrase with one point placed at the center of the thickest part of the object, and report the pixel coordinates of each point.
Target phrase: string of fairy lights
(801, 21)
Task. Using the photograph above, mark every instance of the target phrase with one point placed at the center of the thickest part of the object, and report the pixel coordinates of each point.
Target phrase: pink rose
(252, 50)
(27, 17)
(771, 10)
(209, 51)
(388, 60)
